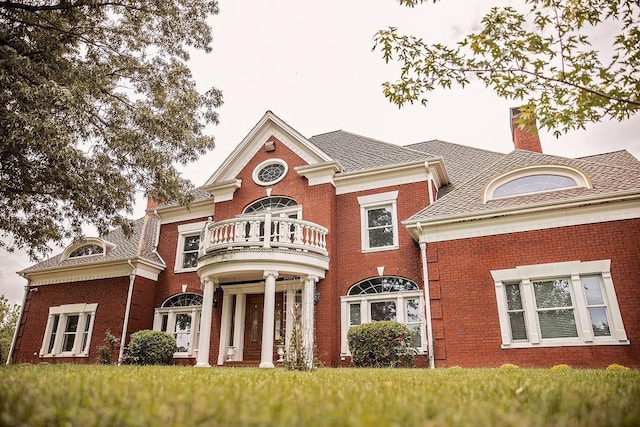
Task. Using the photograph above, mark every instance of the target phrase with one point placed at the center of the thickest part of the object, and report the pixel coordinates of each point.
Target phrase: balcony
(242, 248)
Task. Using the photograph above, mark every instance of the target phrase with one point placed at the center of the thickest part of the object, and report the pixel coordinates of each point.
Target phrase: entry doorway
(253, 325)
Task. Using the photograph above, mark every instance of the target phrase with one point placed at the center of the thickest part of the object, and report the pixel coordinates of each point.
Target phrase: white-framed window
(179, 316)
(556, 304)
(68, 330)
(188, 246)
(270, 172)
(384, 298)
(535, 179)
(379, 221)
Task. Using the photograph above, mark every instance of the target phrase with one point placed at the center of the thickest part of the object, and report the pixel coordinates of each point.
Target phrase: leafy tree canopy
(8, 320)
(544, 58)
(96, 102)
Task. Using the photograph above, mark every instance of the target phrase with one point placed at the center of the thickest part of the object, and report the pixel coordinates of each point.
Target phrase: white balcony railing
(263, 231)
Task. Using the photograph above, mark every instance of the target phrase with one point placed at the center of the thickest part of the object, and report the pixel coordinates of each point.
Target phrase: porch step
(247, 363)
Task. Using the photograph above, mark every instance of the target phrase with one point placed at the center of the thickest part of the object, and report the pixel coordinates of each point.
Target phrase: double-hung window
(566, 303)
(68, 331)
(379, 221)
(188, 246)
(384, 298)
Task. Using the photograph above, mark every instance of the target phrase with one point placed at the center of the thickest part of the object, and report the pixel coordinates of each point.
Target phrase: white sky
(311, 64)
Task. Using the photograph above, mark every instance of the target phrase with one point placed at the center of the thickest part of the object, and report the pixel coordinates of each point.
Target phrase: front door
(253, 325)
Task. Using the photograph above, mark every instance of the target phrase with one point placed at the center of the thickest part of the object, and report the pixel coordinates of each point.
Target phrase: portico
(268, 284)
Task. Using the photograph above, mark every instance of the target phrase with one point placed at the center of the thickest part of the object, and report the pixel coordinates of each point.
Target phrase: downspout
(15, 333)
(427, 298)
(125, 324)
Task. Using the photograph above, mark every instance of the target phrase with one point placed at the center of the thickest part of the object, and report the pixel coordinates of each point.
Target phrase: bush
(151, 348)
(381, 344)
(617, 367)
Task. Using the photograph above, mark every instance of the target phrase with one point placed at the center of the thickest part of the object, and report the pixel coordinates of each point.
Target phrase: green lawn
(57, 395)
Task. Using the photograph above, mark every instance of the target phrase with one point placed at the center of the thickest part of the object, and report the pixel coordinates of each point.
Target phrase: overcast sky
(311, 64)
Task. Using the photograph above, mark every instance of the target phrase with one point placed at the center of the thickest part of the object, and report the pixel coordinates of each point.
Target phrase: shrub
(509, 366)
(151, 348)
(105, 352)
(381, 344)
(616, 367)
(560, 367)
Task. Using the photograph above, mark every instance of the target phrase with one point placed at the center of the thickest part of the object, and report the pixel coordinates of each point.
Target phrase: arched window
(535, 179)
(378, 285)
(270, 203)
(87, 250)
(384, 298)
(179, 316)
(183, 300)
(87, 247)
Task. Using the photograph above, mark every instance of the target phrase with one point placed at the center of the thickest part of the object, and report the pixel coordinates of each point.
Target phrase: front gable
(267, 133)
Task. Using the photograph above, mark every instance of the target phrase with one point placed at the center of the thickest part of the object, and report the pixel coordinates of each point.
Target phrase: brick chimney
(151, 204)
(523, 138)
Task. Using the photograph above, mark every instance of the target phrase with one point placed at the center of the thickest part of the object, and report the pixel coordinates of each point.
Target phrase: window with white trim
(179, 316)
(188, 246)
(384, 298)
(68, 330)
(379, 221)
(565, 303)
(270, 172)
(535, 179)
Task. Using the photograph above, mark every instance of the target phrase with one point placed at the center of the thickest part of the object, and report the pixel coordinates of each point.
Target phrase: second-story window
(188, 246)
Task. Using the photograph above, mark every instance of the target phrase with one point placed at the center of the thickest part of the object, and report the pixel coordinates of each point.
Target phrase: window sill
(381, 249)
(52, 356)
(563, 344)
(186, 270)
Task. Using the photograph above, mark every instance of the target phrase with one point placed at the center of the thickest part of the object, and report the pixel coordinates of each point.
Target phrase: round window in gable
(270, 172)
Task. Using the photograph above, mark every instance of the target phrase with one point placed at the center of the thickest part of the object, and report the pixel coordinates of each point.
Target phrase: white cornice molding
(200, 209)
(387, 176)
(223, 191)
(525, 219)
(93, 271)
(320, 173)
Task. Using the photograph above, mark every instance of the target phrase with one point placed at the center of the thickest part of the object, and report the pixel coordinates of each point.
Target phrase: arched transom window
(384, 298)
(275, 203)
(87, 250)
(535, 179)
(179, 316)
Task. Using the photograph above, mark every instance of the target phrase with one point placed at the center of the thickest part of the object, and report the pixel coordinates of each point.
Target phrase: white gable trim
(93, 271)
(269, 125)
(539, 218)
(201, 209)
(322, 173)
(369, 179)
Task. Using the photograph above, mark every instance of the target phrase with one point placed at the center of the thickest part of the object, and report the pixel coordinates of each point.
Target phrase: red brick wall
(465, 315)
(111, 296)
(169, 282)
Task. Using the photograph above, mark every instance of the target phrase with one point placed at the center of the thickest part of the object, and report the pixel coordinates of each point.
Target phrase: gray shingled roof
(462, 162)
(621, 158)
(135, 246)
(467, 198)
(356, 152)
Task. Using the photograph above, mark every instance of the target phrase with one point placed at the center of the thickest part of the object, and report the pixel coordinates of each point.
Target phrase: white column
(205, 323)
(268, 318)
(225, 327)
(238, 336)
(308, 294)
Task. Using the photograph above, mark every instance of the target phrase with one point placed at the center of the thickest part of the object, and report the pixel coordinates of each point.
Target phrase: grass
(56, 395)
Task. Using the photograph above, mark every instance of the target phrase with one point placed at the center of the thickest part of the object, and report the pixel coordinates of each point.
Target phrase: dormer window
(270, 172)
(536, 179)
(91, 246)
(87, 250)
